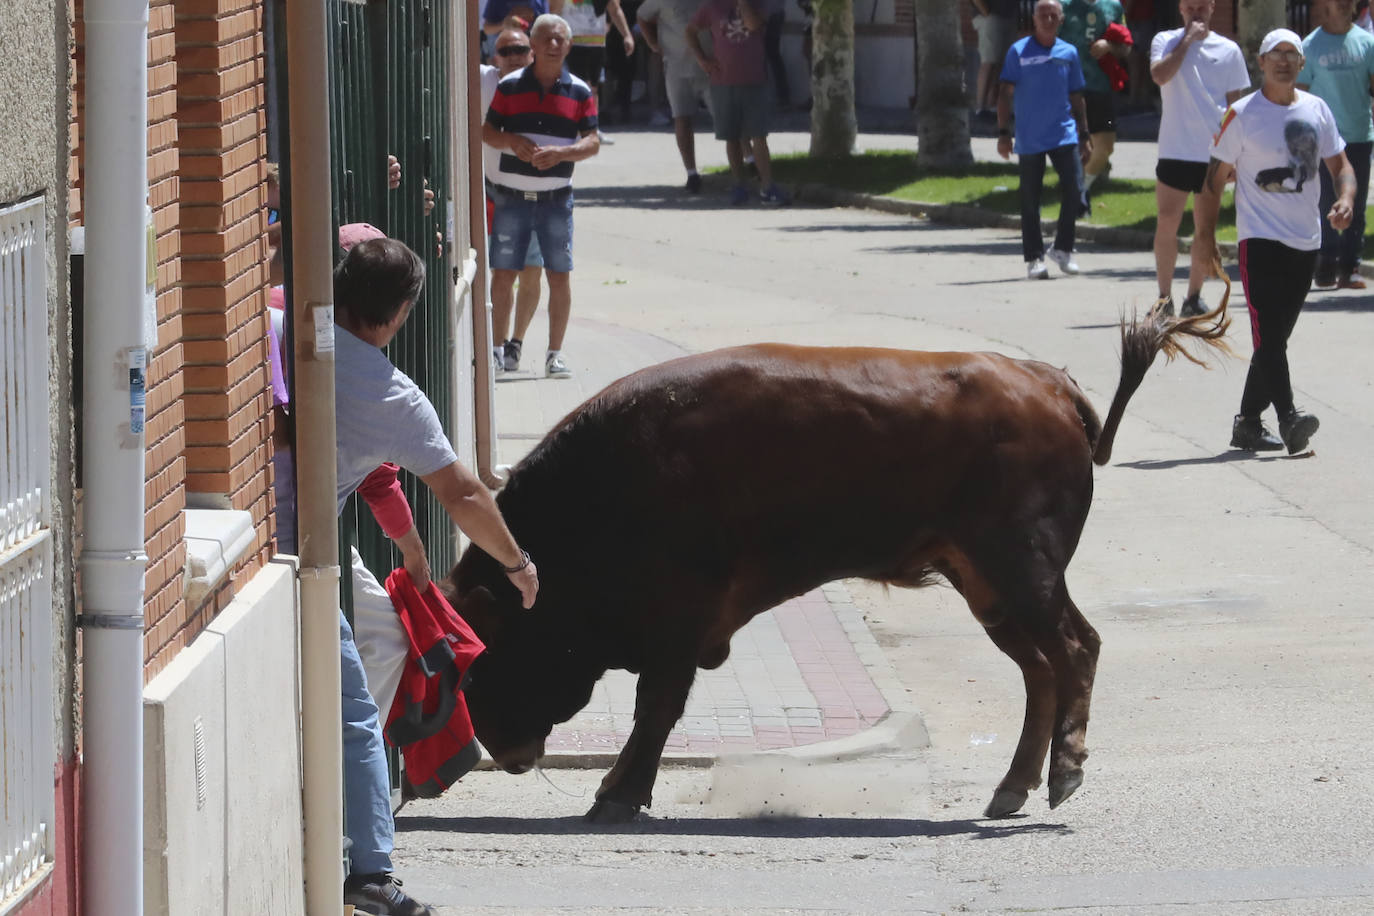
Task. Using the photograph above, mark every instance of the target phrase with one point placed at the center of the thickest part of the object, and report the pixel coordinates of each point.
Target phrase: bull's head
(535, 673)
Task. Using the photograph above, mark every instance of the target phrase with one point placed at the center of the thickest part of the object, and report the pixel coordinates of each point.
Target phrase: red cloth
(382, 493)
(429, 718)
(1116, 34)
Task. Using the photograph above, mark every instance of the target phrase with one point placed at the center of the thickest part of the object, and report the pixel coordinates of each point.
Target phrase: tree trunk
(942, 131)
(834, 127)
(1254, 20)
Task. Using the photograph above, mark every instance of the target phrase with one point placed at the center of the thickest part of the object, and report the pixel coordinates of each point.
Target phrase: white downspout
(113, 561)
(312, 285)
(467, 116)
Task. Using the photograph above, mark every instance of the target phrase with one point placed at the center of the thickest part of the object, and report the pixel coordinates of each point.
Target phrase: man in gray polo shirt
(381, 416)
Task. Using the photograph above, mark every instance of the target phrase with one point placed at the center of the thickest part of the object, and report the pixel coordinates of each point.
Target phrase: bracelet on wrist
(524, 561)
(1004, 131)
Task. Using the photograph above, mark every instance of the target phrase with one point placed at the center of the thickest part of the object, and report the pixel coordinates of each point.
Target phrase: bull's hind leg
(1072, 646)
(660, 698)
(1023, 776)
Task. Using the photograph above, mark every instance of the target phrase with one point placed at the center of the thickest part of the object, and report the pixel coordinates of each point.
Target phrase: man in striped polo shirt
(542, 120)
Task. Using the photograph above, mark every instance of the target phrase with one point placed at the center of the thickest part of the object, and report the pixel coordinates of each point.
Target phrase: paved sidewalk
(805, 672)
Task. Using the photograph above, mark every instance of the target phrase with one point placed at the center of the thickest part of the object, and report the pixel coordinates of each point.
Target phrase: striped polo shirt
(554, 118)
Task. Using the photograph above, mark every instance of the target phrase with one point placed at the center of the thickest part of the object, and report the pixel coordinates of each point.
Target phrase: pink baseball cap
(351, 234)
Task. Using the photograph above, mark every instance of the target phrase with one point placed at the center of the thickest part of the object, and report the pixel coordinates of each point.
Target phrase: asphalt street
(1233, 718)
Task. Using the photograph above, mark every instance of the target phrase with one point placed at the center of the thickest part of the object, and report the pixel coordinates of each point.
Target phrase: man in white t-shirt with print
(1273, 143)
(1199, 74)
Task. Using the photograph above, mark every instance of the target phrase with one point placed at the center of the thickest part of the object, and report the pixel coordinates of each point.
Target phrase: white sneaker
(555, 367)
(1036, 270)
(1065, 261)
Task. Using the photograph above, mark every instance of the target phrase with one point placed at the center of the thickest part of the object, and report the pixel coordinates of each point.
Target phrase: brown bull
(683, 500)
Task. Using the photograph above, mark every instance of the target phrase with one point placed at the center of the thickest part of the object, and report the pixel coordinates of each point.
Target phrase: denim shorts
(517, 219)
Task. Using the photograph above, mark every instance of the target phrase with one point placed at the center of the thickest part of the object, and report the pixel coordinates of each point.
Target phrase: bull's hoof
(1062, 785)
(1005, 803)
(605, 811)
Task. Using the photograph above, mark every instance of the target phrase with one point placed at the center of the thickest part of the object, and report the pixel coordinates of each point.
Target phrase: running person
(1199, 74)
(1273, 143)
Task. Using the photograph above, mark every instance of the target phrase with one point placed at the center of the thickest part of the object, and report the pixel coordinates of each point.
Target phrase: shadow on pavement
(809, 827)
(1226, 457)
(854, 227)
(715, 195)
(1339, 304)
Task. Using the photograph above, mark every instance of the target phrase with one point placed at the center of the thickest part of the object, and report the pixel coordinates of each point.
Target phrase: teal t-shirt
(1338, 69)
(1083, 24)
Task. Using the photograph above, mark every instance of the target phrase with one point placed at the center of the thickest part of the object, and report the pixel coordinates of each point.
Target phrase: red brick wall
(208, 427)
(165, 462)
(223, 144)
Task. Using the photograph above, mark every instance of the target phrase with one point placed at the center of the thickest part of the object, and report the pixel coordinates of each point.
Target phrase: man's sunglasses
(513, 50)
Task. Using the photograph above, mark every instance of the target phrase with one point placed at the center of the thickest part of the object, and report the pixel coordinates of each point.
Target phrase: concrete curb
(962, 215)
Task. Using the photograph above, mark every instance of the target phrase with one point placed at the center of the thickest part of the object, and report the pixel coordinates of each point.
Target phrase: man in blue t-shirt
(1338, 68)
(1042, 81)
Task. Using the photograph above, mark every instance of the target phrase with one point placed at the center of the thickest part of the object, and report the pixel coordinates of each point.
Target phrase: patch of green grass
(993, 186)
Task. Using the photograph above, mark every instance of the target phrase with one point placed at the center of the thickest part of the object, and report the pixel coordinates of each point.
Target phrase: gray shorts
(686, 88)
(742, 112)
(995, 35)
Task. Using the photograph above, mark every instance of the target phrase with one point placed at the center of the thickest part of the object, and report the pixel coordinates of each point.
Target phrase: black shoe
(1325, 277)
(694, 183)
(1193, 306)
(1296, 429)
(381, 895)
(1251, 435)
(511, 362)
(1165, 305)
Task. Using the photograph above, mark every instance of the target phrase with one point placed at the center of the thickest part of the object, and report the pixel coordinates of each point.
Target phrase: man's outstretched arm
(469, 503)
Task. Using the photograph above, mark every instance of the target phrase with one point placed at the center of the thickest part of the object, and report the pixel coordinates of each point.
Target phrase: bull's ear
(479, 608)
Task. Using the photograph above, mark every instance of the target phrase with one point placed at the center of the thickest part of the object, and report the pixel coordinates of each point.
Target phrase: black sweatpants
(1276, 279)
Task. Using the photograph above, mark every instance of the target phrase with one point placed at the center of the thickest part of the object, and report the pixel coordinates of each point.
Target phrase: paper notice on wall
(324, 328)
(150, 285)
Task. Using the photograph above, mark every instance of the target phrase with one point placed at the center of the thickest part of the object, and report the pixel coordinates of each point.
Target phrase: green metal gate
(390, 96)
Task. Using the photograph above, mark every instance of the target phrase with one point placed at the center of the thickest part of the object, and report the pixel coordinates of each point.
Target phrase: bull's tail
(1142, 339)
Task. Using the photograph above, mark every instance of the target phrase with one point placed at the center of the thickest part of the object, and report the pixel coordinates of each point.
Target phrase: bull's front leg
(660, 698)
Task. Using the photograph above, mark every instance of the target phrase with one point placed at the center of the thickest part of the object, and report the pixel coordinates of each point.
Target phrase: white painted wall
(222, 772)
(884, 69)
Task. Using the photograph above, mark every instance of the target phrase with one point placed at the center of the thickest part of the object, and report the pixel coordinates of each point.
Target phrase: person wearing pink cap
(1272, 143)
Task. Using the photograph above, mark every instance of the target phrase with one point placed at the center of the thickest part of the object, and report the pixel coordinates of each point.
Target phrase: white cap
(1278, 37)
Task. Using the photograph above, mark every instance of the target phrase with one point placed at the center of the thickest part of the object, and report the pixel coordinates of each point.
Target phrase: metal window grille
(26, 710)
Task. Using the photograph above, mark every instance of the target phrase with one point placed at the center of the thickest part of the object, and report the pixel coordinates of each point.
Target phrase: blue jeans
(1066, 165)
(516, 219)
(1343, 248)
(367, 784)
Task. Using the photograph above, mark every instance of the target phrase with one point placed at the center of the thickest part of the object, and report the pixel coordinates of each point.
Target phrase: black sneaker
(1296, 429)
(511, 363)
(1164, 305)
(1250, 434)
(694, 183)
(1193, 306)
(381, 895)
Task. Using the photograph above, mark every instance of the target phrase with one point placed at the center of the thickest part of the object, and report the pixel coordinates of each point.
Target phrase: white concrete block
(184, 783)
(263, 851)
(222, 821)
